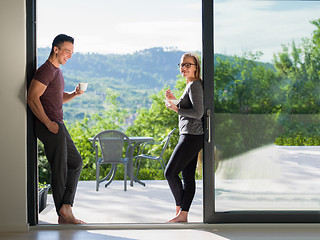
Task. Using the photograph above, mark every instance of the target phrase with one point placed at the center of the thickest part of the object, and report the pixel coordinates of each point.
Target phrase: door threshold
(154, 226)
(121, 226)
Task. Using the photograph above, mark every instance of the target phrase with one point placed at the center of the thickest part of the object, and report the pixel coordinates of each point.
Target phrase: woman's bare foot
(67, 217)
(178, 208)
(180, 218)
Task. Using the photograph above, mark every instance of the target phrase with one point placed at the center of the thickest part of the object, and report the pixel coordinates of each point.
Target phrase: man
(46, 96)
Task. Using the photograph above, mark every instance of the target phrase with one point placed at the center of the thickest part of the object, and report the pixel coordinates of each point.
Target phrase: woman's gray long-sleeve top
(191, 109)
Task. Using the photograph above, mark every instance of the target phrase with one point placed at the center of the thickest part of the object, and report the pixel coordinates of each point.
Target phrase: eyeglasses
(187, 65)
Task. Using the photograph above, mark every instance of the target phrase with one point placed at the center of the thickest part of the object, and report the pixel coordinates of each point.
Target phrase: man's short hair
(59, 40)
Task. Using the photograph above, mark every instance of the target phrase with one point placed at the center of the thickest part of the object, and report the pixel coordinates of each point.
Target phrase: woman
(185, 155)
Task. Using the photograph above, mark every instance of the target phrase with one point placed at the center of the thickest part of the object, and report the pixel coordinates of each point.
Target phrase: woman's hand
(169, 95)
(172, 106)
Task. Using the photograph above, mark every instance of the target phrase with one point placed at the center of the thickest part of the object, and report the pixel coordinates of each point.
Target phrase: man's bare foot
(61, 220)
(67, 217)
(180, 218)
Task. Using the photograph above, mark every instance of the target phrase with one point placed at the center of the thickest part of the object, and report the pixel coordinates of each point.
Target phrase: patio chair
(164, 142)
(111, 144)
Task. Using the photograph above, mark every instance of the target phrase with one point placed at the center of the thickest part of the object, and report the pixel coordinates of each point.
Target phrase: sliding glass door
(262, 101)
(265, 122)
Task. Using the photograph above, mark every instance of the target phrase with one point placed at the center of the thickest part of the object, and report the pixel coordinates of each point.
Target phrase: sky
(121, 26)
(243, 26)
(126, 26)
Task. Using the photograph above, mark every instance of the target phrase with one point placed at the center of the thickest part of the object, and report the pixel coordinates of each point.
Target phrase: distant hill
(149, 68)
(133, 76)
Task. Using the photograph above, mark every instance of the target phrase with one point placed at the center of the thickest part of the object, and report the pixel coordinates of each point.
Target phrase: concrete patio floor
(278, 178)
(268, 178)
(153, 203)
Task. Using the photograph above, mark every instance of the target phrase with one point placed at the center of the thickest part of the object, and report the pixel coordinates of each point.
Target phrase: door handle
(209, 124)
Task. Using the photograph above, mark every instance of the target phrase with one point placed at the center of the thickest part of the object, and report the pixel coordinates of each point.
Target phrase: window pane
(267, 131)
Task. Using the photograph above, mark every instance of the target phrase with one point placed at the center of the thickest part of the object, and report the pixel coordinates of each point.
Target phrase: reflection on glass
(267, 109)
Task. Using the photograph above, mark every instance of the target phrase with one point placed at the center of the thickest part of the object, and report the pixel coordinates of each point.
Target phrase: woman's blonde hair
(197, 73)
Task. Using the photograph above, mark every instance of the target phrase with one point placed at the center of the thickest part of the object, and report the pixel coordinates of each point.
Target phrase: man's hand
(67, 96)
(53, 127)
(77, 91)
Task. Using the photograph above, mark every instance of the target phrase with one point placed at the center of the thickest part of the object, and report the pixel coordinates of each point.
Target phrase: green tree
(113, 117)
(158, 121)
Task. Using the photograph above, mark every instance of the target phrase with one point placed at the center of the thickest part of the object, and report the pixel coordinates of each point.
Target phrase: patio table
(136, 142)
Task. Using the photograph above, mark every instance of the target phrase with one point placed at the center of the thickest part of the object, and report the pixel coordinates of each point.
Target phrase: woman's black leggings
(184, 159)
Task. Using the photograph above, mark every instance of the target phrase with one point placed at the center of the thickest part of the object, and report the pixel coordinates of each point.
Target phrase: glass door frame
(210, 215)
(208, 82)
(32, 147)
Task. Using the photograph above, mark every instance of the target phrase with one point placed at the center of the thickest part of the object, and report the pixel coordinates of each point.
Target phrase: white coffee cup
(83, 86)
(174, 101)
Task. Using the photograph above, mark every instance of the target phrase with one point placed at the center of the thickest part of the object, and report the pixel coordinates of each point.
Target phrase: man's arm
(67, 96)
(35, 91)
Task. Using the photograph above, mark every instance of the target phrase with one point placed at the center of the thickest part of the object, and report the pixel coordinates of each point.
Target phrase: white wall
(13, 145)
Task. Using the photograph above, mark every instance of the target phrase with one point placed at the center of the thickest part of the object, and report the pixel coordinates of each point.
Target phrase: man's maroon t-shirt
(52, 98)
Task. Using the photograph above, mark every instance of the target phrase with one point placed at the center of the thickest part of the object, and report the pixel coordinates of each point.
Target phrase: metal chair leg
(97, 177)
(125, 176)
